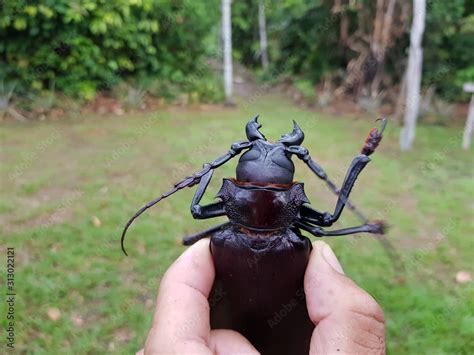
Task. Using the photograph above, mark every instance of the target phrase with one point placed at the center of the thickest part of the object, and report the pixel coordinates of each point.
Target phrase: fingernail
(330, 258)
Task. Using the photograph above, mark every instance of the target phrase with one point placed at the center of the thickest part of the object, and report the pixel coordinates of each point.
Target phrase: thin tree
(262, 30)
(367, 39)
(413, 75)
(227, 44)
(381, 41)
(469, 128)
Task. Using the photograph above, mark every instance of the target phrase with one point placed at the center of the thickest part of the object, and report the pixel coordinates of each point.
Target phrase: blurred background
(105, 104)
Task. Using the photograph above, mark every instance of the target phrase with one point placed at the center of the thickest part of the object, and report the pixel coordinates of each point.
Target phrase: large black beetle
(260, 254)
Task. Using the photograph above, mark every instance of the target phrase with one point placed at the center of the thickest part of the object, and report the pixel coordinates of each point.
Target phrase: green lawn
(57, 177)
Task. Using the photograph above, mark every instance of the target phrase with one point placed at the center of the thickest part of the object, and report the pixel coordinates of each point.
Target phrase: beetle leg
(313, 216)
(373, 139)
(374, 228)
(303, 154)
(353, 172)
(214, 209)
(209, 211)
(193, 238)
(191, 180)
(357, 165)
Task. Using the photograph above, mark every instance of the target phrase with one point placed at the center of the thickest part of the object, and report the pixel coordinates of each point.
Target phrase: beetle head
(268, 162)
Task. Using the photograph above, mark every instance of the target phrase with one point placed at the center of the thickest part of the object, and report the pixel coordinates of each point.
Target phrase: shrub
(307, 91)
(88, 45)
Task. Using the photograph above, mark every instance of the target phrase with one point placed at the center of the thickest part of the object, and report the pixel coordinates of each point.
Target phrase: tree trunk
(382, 41)
(227, 44)
(415, 62)
(468, 129)
(401, 99)
(262, 30)
(379, 26)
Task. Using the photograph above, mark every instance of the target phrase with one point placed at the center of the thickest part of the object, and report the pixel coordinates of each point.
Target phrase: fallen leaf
(96, 221)
(149, 304)
(118, 111)
(54, 314)
(463, 277)
(77, 320)
(141, 249)
(103, 190)
(123, 334)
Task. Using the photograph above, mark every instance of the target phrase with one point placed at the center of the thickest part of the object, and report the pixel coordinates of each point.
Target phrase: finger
(347, 319)
(225, 341)
(181, 318)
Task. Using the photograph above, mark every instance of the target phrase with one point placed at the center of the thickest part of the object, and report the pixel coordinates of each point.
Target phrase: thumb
(348, 320)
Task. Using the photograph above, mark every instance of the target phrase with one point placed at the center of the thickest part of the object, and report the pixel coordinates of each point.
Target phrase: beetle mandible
(260, 254)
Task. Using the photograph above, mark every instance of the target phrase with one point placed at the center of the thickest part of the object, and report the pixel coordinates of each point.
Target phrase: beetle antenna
(188, 181)
(140, 211)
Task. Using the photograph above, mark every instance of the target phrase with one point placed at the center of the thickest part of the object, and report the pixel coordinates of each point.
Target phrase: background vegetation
(114, 93)
(85, 46)
(81, 47)
(307, 40)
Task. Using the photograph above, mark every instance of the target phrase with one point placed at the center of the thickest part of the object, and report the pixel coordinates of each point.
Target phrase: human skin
(348, 319)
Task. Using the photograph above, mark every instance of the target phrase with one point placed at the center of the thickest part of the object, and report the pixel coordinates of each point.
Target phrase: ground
(68, 187)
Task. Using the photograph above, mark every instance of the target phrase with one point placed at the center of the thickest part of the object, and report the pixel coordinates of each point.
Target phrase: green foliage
(448, 47)
(304, 41)
(245, 35)
(84, 46)
(309, 44)
(89, 45)
(307, 90)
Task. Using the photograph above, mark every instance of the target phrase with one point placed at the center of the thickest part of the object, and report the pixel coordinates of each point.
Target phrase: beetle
(260, 253)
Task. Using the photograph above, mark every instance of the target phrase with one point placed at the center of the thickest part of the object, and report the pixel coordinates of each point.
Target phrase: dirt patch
(63, 198)
(121, 336)
(120, 178)
(48, 194)
(105, 105)
(49, 219)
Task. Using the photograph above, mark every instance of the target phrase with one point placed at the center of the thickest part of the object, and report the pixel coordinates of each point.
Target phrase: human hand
(348, 319)
(181, 323)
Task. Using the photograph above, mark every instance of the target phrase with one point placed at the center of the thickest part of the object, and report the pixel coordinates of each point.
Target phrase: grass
(56, 177)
